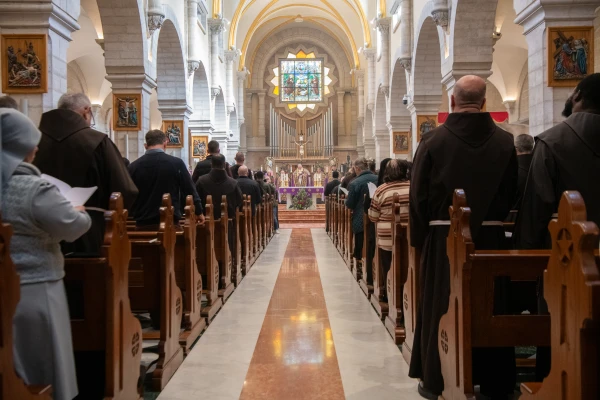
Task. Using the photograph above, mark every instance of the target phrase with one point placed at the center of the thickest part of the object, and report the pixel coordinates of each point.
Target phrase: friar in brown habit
(566, 157)
(468, 152)
(73, 152)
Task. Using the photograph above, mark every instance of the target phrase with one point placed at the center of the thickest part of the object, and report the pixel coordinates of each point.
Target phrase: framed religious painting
(127, 112)
(173, 130)
(199, 147)
(401, 140)
(570, 55)
(425, 123)
(24, 64)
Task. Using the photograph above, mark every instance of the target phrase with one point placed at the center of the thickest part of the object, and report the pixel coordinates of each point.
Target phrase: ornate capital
(370, 54)
(359, 73)
(216, 25)
(385, 90)
(440, 17)
(242, 75)
(230, 55)
(193, 65)
(406, 63)
(214, 92)
(383, 24)
(155, 21)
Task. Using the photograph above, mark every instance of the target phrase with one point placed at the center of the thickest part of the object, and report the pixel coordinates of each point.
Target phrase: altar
(290, 192)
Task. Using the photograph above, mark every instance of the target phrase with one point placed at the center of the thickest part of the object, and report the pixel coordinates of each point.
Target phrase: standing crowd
(47, 228)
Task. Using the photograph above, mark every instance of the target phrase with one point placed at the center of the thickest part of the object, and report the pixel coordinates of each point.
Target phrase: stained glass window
(301, 80)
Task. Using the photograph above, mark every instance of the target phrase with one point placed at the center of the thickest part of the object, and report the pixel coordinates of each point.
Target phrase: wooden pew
(328, 215)
(11, 386)
(349, 239)
(572, 291)
(223, 252)
(236, 254)
(399, 307)
(189, 279)
(107, 338)
(470, 321)
(245, 216)
(362, 276)
(153, 287)
(208, 264)
(336, 223)
(260, 209)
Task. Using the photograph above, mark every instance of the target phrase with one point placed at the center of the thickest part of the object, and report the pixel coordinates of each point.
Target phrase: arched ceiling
(343, 20)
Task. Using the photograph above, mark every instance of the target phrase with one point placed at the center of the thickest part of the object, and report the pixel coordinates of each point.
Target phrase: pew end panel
(101, 317)
(11, 386)
(470, 321)
(572, 291)
(208, 264)
(223, 252)
(155, 253)
(189, 278)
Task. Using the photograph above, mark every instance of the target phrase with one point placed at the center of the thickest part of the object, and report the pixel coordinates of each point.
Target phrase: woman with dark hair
(381, 211)
(382, 166)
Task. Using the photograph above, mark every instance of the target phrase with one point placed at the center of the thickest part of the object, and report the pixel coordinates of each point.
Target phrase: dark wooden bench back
(222, 251)
(207, 262)
(470, 321)
(11, 386)
(572, 291)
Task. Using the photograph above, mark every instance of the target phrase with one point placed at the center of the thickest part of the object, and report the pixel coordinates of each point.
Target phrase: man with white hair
(73, 152)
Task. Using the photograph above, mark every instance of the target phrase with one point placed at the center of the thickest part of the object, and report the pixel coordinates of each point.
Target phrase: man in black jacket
(249, 187)
(204, 166)
(524, 147)
(157, 173)
(331, 185)
(239, 161)
(217, 184)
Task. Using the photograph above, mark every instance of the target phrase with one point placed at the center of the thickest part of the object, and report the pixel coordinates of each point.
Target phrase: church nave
(298, 327)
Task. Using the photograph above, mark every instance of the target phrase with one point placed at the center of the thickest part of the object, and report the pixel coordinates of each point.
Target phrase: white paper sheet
(345, 191)
(77, 196)
(372, 189)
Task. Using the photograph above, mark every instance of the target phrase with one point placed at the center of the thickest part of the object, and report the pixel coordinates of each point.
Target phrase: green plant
(302, 201)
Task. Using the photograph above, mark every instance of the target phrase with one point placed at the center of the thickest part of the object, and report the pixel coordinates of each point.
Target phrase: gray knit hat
(19, 137)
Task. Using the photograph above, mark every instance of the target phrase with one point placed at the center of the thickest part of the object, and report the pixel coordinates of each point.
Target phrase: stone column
(193, 39)
(234, 137)
(261, 116)
(98, 120)
(341, 120)
(406, 34)
(383, 28)
(131, 84)
(546, 103)
(216, 29)
(241, 76)
(370, 54)
(177, 110)
(360, 83)
(18, 17)
(254, 117)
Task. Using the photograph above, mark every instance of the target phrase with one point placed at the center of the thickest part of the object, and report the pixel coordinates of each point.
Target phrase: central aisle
(298, 327)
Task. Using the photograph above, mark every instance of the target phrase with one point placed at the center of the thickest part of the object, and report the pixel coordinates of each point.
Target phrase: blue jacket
(356, 197)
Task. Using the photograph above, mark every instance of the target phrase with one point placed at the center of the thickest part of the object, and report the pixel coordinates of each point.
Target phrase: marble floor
(298, 327)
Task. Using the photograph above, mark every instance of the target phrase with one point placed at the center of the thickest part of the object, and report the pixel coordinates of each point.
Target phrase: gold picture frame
(24, 63)
(199, 147)
(127, 112)
(426, 123)
(401, 142)
(570, 55)
(174, 131)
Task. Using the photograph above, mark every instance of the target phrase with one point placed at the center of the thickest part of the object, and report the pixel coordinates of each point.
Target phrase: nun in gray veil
(41, 218)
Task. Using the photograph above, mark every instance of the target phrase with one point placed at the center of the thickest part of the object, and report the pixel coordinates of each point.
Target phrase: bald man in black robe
(566, 157)
(468, 152)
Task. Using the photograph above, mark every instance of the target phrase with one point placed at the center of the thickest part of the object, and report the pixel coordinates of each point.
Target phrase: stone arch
(170, 64)
(220, 120)
(76, 82)
(471, 44)
(201, 95)
(124, 29)
(291, 37)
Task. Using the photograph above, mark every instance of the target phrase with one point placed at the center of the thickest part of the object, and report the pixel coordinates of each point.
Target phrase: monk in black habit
(468, 152)
(566, 157)
(72, 151)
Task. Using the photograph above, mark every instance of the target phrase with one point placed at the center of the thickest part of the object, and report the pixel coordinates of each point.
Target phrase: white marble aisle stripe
(371, 365)
(217, 366)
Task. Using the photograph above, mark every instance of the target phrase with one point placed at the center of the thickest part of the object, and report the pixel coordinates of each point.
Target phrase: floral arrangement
(302, 201)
